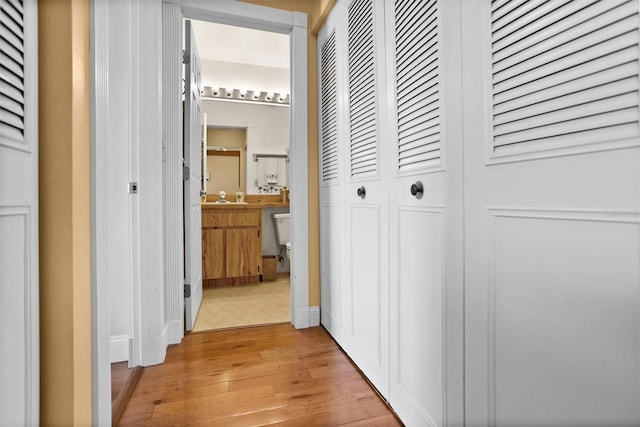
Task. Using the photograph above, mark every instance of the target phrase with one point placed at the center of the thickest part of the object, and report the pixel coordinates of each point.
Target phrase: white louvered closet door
(425, 211)
(552, 212)
(365, 190)
(332, 178)
(19, 328)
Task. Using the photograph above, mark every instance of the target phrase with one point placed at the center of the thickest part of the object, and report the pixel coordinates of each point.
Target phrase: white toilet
(282, 223)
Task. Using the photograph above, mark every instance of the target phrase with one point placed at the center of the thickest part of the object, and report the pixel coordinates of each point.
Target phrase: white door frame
(294, 24)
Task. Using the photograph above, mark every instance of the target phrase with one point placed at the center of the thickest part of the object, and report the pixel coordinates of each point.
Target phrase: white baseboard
(306, 317)
(175, 331)
(119, 348)
(314, 316)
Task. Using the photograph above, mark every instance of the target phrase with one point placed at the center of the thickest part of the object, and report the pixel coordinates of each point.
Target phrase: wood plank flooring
(272, 375)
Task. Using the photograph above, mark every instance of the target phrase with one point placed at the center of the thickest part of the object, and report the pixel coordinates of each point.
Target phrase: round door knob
(417, 190)
(362, 192)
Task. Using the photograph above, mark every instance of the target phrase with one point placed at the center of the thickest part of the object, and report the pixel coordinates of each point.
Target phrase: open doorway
(245, 96)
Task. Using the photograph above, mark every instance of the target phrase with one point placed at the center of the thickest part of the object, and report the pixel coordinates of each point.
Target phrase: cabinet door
(213, 253)
(241, 249)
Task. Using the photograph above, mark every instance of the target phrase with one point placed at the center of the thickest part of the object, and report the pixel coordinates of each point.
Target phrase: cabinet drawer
(241, 218)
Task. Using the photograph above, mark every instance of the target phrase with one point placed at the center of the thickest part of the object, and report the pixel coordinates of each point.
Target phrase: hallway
(256, 376)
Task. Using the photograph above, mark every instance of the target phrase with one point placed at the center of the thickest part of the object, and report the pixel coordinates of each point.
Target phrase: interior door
(423, 59)
(19, 331)
(332, 177)
(192, 183)
(366, 197)
(552, 213)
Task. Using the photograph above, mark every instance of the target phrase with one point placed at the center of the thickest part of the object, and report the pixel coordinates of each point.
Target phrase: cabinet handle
(417, 190)
(362, 192)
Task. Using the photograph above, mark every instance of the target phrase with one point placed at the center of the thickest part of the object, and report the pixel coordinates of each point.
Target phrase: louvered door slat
(12, 74)
(362, 97)
(567, 83)
(595, 121)
(555, 51)
(600, 70)
(526, 14)
(421, 111)
(573, 39)
(574, 99)
(12, 33)
(13, 10)
(520, 41)
(417, 84)
(429, 138)
(329, 110)
(584, 110)
(578, 59)
(504, 7)
(418, 124)
(410, 35)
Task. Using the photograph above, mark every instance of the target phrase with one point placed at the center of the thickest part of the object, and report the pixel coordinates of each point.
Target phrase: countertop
(252, 201)
(254, 205)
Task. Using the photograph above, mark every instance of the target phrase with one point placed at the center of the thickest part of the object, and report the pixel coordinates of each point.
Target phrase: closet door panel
(552, 219)
(332, 149)
(366, 191)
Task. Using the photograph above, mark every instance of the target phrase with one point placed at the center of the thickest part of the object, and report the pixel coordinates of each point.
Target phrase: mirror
(226, 160)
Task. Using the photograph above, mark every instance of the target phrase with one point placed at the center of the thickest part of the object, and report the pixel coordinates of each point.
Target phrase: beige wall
(317, 11)
(65, 245)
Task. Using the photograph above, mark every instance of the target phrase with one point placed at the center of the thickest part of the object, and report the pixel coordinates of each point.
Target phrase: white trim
(294, 23)
(119, 348)
(172, 175)
(314, 316)
(147, 130)
(175, 331)
(100, 330)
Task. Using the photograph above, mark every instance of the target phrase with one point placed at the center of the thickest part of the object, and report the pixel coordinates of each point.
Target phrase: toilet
(282, 223)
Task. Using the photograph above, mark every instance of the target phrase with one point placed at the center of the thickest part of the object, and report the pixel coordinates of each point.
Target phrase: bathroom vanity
(232, 241)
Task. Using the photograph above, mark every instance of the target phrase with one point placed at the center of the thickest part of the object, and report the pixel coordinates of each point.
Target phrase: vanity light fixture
(277, 98)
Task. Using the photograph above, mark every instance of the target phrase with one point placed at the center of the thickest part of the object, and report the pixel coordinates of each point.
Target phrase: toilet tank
(283, 228)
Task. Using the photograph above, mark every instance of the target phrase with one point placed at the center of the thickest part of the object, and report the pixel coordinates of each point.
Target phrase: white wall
(267, 128)
(232, 75)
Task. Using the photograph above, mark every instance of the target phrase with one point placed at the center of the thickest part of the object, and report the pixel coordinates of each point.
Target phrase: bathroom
(245, 111)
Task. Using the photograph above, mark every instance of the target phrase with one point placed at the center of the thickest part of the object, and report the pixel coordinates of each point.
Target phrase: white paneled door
(193, 181)
(365, 192)
(552, 213)
(332, 178)
(19, 331)
(425, 191)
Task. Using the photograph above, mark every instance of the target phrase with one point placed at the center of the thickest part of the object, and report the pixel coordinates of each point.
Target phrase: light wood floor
(272, 375)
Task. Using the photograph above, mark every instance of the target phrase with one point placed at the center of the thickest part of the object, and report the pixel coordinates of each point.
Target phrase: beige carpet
(247, 305)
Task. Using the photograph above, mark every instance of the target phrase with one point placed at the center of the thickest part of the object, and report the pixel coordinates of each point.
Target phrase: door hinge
(187, 290)
(185, 173)
(133, 188)
(185, 57)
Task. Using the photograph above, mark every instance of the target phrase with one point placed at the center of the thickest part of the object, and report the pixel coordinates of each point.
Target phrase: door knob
(417, 190)
(362, 192)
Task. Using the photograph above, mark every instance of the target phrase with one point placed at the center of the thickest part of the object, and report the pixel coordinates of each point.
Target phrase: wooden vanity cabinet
(231, 245)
